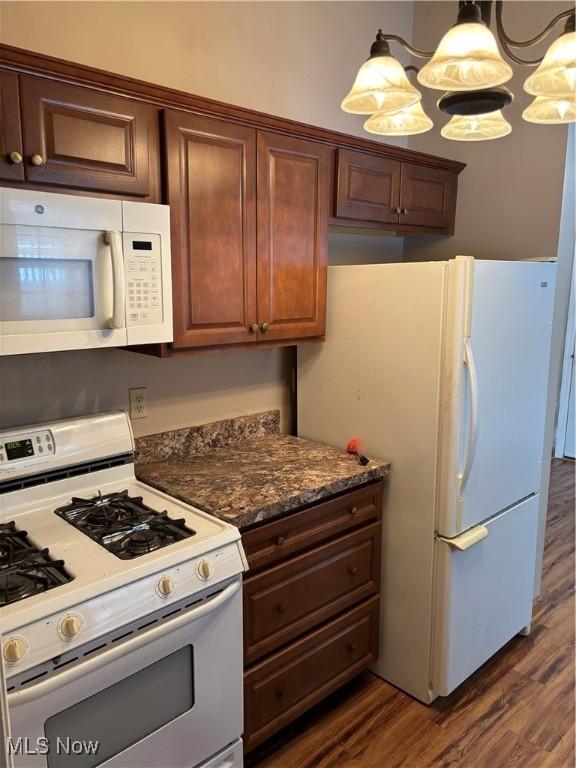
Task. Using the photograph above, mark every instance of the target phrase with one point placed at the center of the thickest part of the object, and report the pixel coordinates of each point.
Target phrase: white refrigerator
(442, 368)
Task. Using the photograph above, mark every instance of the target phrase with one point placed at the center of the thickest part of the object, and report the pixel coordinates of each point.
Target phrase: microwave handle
(28, 694)
(113, 240)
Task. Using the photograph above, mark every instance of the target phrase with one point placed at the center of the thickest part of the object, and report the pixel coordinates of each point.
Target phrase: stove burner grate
(25, 570)
(123, 524)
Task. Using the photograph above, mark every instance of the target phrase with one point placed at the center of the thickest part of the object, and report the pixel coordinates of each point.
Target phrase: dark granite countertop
(256, 479)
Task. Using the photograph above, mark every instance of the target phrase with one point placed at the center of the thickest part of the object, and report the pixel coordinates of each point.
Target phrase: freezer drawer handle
(468, 538)
(473, 433)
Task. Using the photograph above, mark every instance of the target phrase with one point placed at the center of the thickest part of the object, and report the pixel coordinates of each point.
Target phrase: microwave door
(60, 289)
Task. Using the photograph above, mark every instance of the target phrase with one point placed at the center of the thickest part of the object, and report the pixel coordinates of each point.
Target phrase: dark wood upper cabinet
(367, 187)
(428, 197)
(211, 182)
(388, 193)
(85, 139)
(11, 150)
(293, 205)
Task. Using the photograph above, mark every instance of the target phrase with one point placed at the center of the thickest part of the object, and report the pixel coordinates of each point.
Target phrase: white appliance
(441, 368)
(126, 632)
(79, 272)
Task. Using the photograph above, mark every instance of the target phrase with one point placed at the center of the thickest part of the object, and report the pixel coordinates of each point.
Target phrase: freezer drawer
(483, 594)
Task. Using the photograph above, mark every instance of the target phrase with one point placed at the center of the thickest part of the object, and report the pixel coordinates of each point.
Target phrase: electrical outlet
(138, 402)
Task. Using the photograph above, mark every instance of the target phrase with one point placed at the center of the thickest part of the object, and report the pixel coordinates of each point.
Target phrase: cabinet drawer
(289, 599)
(284, 686)
(268, 544)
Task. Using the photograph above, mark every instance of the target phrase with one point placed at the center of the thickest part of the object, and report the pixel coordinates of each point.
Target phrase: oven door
(60, 288)
(170, 695)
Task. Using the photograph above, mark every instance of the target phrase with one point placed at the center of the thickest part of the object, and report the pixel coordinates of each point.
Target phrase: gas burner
(140, 542)
(24, 569)
(123, 524)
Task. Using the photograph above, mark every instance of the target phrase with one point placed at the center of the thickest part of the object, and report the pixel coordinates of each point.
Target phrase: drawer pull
(353, 571)
(281, 608)
(353, 511)
(352, 647)
(280, 540)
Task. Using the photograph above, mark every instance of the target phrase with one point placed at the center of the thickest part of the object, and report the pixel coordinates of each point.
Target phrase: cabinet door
(11, 165)
(81, 138)
(367, 187)
(427, 197)
(293, 201)
(212, 195)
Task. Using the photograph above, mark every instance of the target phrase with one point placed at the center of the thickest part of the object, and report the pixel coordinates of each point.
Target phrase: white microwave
(82, 272)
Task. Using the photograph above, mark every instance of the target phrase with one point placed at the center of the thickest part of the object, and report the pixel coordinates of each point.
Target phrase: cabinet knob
(353, 511)
(398, 210)
(253, 327)
(37, 160)
(280, 540)
(352, 647)
(404, 211)
(15, 158)
(264, 327)
(281, 608)
(353, 571)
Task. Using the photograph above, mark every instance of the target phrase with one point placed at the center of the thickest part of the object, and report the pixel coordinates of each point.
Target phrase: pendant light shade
(491, 125)
(556, 75)
(553, 111)
(381, 84)
(406, 122)
(466, 59)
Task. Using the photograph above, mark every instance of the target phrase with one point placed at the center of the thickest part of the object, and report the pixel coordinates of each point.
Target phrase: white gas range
(120, 608)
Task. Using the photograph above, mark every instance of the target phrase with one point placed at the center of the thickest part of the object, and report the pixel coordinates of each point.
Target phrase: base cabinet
(311, 607)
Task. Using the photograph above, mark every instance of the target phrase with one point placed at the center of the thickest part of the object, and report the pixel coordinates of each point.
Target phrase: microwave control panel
(143, 264)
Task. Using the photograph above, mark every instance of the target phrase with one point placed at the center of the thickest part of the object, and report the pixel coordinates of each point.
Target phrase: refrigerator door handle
(467, 539)
(473, 431)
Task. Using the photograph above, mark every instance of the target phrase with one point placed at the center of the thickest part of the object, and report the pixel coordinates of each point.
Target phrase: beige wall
(295, 59)
(509, 195)
(291, 59)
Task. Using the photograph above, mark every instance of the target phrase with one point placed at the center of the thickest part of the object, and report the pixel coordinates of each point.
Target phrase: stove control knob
(15, 648)
(205, 569)
(165, 586)
(70, 626)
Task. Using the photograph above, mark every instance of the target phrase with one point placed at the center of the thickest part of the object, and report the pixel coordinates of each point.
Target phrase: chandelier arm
(505, 38)
(414, 51)
(411, 68)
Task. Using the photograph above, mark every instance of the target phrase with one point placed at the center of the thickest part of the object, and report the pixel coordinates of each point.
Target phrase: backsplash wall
(185, 391)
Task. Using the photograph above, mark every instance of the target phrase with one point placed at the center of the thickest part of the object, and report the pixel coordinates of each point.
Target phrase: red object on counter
(353, 446)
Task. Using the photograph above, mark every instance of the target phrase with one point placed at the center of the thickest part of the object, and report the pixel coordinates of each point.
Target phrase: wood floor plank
(516, 711)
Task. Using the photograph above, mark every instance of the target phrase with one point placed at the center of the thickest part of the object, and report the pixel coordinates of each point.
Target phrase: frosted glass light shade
(466, 59)
(492, 125)
(551, 111)
(556, 75)
(381, 84)
(406, 122)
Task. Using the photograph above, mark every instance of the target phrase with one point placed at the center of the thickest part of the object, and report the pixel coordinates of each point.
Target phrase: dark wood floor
(517, 710)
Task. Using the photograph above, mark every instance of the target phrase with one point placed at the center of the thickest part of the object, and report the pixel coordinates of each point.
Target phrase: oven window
(124, 713)
(46, 289)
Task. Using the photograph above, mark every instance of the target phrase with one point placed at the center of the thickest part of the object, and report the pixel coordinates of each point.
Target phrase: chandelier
(468, 67)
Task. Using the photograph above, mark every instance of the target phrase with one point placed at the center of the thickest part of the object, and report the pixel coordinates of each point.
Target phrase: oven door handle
(44, 688)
